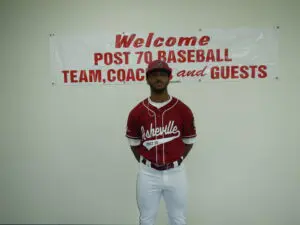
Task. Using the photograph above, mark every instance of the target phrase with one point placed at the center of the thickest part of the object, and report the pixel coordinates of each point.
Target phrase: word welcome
(125, 41)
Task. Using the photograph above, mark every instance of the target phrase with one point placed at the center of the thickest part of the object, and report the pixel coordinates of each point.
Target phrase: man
(161, 133)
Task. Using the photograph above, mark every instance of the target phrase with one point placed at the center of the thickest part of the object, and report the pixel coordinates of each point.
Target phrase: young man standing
(161, 133)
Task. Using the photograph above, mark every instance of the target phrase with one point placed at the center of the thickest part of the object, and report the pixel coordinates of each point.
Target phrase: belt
(162, 166)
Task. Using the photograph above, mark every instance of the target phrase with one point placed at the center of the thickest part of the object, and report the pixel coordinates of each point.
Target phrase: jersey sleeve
(134, 142)
(132, 128)
(189, 129)
(189, 141)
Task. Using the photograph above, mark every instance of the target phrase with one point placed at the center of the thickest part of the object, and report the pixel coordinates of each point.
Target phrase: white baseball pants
(171, 185)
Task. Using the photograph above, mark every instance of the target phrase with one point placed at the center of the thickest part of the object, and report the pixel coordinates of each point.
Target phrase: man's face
(158, 81)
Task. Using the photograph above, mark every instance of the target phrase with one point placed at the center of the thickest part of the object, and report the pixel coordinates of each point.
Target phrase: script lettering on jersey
(168, 129)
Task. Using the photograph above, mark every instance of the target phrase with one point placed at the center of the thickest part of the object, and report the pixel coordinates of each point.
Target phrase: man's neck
(159, 97)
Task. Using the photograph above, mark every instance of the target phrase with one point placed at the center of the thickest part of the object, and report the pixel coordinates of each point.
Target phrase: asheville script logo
(168, 129)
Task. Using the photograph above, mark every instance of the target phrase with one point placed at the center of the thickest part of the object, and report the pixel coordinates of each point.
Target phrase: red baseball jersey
(161, 130)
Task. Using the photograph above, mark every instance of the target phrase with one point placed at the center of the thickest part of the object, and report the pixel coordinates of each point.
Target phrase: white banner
(204, 55)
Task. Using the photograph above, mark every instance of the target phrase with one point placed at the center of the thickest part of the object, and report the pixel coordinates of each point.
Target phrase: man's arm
(189, 131)
(133, 134)
(134, 150)
(187, 149)
(134, 145)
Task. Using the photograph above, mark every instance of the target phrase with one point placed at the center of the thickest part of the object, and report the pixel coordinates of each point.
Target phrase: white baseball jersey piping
(147, 107)
(162, 121)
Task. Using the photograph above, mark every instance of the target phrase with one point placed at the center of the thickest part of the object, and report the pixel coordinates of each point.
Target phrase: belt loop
(148, 163)
(175, 163)
(178, 162)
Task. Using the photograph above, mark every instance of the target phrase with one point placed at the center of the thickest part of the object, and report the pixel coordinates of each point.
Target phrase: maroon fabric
(161, 130)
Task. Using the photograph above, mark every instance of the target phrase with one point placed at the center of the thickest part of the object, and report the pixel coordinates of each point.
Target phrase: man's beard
(158, 90)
